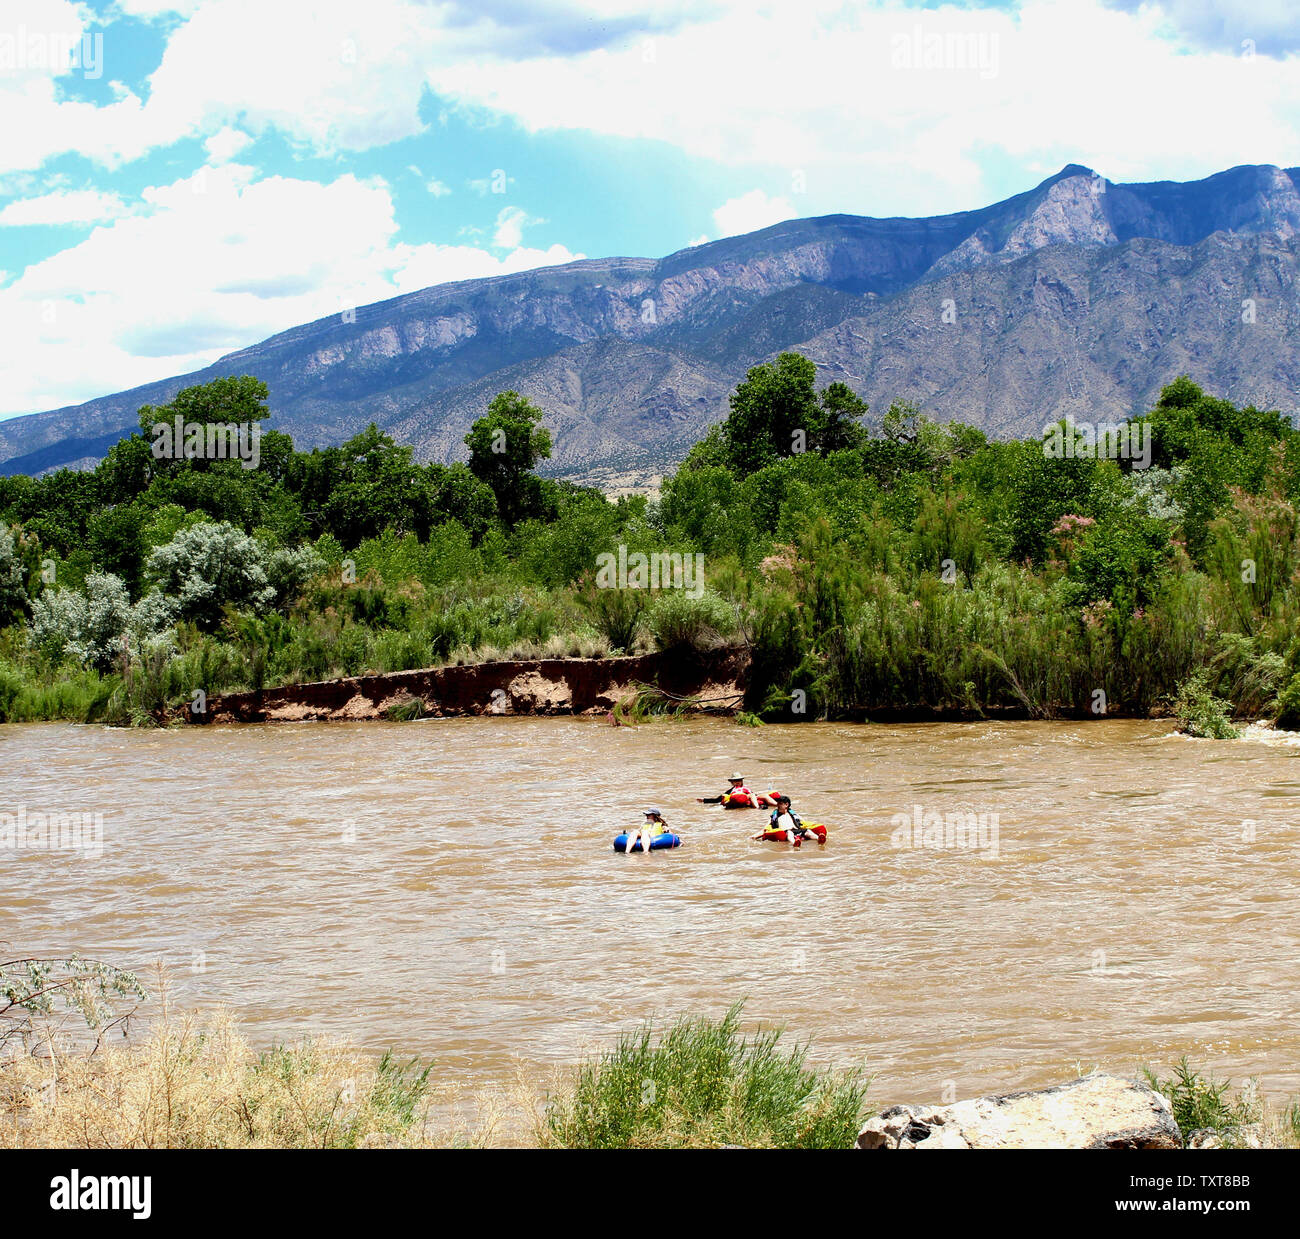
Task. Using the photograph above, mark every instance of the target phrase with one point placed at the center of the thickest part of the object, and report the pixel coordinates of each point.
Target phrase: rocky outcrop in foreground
(1095, 1112)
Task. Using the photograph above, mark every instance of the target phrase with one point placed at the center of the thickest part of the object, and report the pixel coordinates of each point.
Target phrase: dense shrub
(1202, 1104)
(616, 614)
(87, 625)
(704, 1083)
(13, 594)
(680, 622)
(1200, 713)
(211, 566)
(1288, 705)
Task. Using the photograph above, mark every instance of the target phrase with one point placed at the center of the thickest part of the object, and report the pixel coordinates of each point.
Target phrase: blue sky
(203, 173)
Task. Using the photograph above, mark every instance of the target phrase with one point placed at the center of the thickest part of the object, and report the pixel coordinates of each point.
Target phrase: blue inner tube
(658, 843)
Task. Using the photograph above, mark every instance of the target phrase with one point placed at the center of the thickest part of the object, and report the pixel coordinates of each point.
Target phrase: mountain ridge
(634, 357)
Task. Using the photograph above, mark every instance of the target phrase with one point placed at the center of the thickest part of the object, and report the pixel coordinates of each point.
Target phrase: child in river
(655, 825)
(785, 819)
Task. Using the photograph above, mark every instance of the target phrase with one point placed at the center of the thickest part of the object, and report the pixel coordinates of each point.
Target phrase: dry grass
(196, 1083)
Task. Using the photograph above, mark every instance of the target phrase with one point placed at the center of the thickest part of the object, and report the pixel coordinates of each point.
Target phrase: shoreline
(711, 683)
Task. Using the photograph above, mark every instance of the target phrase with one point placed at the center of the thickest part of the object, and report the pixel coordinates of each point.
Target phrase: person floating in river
(655, 825)
(785, 820)
(737, 796)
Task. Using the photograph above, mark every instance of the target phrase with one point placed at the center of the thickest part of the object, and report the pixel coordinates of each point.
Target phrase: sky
(182, 178)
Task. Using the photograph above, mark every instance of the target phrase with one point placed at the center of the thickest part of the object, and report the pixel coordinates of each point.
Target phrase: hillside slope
(1079, 296)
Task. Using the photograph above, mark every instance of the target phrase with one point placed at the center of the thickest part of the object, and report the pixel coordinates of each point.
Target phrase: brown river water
(449, 888)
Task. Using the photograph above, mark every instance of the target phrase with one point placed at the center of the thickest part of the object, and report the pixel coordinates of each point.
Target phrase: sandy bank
(714, 682)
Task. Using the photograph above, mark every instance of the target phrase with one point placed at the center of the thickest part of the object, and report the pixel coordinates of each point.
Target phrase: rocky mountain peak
(1082, 295)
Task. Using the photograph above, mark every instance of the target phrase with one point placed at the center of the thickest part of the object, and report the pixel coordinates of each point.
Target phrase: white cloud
(149, 9)
(37, 121)
(63, 206)
(40, 40)
(225, 144)
(511, 222)
(209, 264)
(425, 265)
(437, 189)
(328, 74)
(1269, 27)
(750, 212)
(905, 107)
(809, 84)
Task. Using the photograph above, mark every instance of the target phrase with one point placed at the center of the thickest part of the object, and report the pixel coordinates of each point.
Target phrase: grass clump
(1200, 713)
(1201, 1103)
(704, 1083)
(407, 710)
(616, 614)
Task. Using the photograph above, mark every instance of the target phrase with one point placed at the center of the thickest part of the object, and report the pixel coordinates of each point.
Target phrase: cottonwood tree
(777, 411)
(505, 446)
(13, 594)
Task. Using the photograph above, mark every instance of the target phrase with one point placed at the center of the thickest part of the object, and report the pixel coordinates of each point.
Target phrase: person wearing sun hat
(655, 825)
(737, 795)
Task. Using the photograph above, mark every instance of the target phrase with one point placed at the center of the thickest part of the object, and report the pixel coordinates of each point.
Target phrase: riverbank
(709, 682)
(704, 682)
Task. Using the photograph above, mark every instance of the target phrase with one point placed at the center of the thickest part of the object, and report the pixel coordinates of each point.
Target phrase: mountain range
(1081, 296)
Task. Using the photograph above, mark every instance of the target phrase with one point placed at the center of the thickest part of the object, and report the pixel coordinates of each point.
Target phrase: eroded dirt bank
(714, 682)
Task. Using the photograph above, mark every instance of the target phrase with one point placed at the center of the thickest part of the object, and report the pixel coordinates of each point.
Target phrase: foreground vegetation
(197, 1083)
(193, 1085)
(904, 566)
(704, 1083)
(1205, 1106)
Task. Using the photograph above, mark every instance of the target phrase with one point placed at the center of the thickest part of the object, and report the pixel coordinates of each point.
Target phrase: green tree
(454, 493)
(505, 445)
(777, 412)
(774, 412)
(115, 539)
(227, 399)
(13, 596)
(375, 486)
(1045, 490)
(840, 425)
